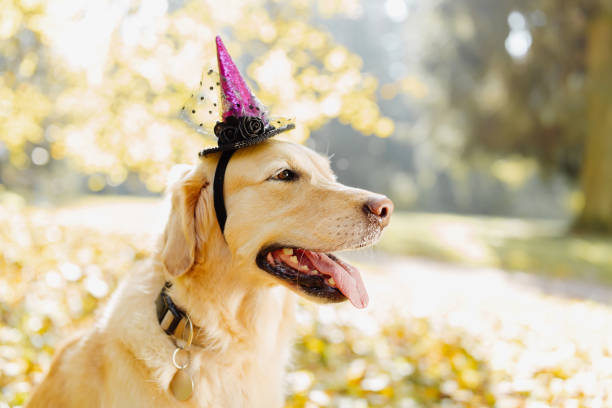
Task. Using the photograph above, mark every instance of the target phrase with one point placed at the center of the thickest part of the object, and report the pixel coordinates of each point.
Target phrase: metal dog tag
(181, 386)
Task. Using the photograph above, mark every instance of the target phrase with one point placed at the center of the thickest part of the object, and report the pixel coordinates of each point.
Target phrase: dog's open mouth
(315, 273)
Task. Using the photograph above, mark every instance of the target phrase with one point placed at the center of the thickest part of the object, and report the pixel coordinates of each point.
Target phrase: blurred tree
(99, 84)
(597, 171)
(532, 78)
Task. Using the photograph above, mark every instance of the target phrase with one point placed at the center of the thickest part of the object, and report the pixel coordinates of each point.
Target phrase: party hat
(224, 95)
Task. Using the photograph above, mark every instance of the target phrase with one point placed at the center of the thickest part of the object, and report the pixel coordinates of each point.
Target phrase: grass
(541, 247)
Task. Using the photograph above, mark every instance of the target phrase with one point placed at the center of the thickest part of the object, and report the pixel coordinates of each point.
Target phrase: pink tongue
(348, 279)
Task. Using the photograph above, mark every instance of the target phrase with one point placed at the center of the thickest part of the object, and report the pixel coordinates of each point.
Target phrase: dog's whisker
(301, 257)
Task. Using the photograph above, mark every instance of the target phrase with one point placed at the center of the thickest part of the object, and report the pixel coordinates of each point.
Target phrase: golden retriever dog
(286, 214)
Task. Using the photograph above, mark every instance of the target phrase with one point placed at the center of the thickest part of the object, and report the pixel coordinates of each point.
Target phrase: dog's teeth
(293, 260)
(270, 258)
(314, 272)
(288, 251)
(303, 268)
(331, 282)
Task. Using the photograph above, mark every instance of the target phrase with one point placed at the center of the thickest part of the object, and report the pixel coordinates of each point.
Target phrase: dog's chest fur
(240, 365)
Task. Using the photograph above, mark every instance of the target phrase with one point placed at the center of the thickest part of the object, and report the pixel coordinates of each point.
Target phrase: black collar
(171, 318)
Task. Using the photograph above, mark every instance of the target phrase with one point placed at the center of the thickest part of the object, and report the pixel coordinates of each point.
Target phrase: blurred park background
(489, 124)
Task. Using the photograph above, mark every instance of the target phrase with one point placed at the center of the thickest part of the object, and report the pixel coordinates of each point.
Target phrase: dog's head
(286, 214)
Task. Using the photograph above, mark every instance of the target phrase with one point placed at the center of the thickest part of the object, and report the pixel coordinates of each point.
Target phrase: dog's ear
(179, 240)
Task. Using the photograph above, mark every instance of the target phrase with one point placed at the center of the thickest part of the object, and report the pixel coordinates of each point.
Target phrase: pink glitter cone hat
(225, 104)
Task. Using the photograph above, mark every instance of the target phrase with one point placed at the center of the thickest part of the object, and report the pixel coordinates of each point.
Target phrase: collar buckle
(172, 320)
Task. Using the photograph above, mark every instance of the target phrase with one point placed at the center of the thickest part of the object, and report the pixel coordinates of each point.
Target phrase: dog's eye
(285, 175)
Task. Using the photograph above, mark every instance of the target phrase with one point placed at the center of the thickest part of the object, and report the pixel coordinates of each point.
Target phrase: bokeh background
(489, 124)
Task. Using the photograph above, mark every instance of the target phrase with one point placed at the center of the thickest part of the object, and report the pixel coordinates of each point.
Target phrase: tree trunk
(596, 178)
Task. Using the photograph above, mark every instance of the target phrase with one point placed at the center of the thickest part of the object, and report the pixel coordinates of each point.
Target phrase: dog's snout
(381, 207)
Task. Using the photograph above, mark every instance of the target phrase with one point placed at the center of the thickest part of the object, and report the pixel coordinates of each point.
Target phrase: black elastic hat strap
(218, 188)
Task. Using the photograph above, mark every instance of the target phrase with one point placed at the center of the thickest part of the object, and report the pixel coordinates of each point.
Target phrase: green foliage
(532, 104)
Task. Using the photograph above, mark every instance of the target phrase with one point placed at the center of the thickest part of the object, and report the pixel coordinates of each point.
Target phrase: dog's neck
(228, 311)
(245, 331)
(228, 305)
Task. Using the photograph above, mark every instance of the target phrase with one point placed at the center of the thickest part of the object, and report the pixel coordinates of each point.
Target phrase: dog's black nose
(381, 207)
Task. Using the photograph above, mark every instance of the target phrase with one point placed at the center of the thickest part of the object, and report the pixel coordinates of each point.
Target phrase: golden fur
(246, 318)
